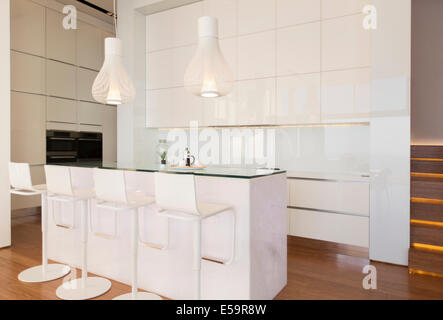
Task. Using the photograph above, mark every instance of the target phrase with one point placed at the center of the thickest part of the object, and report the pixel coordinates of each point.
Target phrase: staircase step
(429, 261)
(426, 186)
(428, 152)
(427, 166)
(427, 211)
(426, 234)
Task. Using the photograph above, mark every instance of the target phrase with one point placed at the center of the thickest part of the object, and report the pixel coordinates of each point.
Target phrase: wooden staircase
(426, 253)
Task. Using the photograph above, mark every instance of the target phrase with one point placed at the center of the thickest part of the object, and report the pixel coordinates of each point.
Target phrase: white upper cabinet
(61, 110)
(340, 8)
(90, 48)
(85, 80)
(28, 128)
(345, 43)
(28, 27)
(298, 99)
(173, 28)
(61, 43)
(61, 80)
(28, 73)
(255, 16)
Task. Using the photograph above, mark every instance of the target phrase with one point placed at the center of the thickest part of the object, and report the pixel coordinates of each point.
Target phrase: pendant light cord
(115, 19)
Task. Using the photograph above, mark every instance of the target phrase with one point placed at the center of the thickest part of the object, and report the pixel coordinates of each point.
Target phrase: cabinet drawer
(57, 71)
(331, 227)
(61, 110)
(90, 113)
(85, 80)
(27, 73)
(337, 196)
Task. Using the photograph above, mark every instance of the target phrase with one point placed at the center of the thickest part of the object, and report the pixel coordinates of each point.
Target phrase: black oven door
(61, 146)
(90, 146)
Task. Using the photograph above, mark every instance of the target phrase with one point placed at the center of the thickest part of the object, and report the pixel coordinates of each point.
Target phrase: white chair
(112, 195)
(175, 196)
(21, 182)
(60, 190)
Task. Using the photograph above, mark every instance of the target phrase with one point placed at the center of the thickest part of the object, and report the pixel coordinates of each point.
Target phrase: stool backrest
(176, 192)
(110, 185)
(58, 180)
(20, 176)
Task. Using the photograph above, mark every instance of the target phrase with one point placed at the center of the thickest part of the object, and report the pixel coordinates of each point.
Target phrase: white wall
(5, 133)
(427, 72)
(390, 132)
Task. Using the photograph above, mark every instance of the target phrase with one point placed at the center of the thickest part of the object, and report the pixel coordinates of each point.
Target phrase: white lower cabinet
(28, 132)
(341, 228)
(329, 210)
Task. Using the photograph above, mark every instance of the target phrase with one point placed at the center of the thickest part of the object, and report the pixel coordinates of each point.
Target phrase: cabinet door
(89, 46)
(28, 27)
(90, 113)
(110, 134)
(85, 80)
(27, 73)
(28, 132)
(61, 80)
(61, 110)
(61, 43)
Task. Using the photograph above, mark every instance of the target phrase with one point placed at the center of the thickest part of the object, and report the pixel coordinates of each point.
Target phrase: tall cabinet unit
(52, 72)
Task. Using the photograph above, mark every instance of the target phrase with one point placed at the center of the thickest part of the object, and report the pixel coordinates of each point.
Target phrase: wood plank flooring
(316, 270)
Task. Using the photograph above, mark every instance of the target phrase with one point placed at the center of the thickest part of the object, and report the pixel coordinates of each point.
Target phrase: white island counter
(259, 270)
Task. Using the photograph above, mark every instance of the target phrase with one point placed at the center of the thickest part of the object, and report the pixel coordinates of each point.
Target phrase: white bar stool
(111, 194)
(59, 183)
(21, 182)
(175, 196)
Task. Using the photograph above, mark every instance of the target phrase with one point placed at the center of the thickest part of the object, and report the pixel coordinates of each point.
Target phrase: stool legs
(135, 294)
(45, 272)
(85, 287)
(197, 258)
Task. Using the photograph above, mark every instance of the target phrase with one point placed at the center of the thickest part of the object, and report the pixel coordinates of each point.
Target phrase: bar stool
(21, 182)
(111, 194)
(59, 183)
(175, 196)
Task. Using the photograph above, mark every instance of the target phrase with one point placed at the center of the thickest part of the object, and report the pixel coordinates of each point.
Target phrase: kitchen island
(258, 198)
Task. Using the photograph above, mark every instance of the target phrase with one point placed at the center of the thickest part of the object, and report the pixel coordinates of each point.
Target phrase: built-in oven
(90, 146)
(68, 146)
(61, 146)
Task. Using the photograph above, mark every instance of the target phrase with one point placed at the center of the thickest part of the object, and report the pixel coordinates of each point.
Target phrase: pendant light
(208, 75)
(113, 84)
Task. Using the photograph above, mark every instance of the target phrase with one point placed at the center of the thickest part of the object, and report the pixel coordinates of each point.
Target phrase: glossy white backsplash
(334, 149)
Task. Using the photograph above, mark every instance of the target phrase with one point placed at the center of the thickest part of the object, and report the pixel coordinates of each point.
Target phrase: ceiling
(105, 4)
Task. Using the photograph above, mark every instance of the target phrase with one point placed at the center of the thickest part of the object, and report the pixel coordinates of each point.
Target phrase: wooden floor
(316, 270)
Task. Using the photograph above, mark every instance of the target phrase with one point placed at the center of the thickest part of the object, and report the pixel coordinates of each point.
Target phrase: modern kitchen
(221, 150)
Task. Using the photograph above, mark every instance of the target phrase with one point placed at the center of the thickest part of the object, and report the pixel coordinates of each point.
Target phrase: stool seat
(34, 190)
(21, 185)
(134, 201)
(205, 210)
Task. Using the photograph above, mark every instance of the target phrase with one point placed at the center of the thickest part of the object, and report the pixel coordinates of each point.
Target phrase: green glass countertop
(224, 172)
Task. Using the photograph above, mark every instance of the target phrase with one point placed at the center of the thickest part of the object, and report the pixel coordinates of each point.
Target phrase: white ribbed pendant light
(113, 84)
(208, 75)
